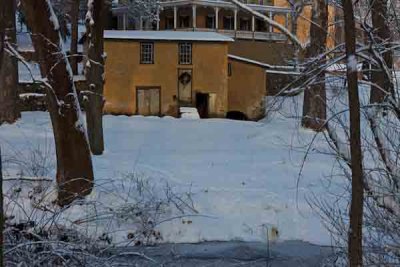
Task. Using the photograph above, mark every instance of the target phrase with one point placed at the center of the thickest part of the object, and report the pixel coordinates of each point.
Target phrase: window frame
(244, 24)
(187, 55)
(169, 23)
(184, 21)
(228, 23)
(210, 21)
(142, 55)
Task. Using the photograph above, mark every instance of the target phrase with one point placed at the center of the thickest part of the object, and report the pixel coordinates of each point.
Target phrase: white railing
(196, 29)
(276, 36)
(230, 33)
(262, 36)
(205, 30)
(244, 34)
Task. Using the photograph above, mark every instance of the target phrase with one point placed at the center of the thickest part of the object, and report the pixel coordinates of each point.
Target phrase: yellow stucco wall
(266, 52)
(330, 42)
(304, 22)
(124, 73)
(247, 89)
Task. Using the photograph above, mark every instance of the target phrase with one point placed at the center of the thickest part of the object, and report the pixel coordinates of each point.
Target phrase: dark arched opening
(236, 115)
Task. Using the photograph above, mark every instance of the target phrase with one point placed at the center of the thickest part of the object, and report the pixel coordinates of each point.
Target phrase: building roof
(258, 63)
(167, 36)
(278, 69)
(250, 61)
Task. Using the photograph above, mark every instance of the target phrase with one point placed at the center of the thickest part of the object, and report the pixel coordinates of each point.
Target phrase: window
(169, 24)
(210, 22)
(260, 25)
(146, 53)
(228, 23)
(244, 24)
(185, 53)
(184, 22)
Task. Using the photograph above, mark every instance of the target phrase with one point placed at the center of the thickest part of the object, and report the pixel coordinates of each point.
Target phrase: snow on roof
(247, 60)
(167, 36)
(342, 67)
(261, 64)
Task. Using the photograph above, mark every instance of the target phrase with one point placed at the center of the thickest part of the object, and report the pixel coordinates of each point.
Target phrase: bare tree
(74, 18)
(314, 107)
(2, 37)
(74, 163)
(365, 219)
(355, 252)
(9, 111)
(380, 35)
(94, 74)
(1, 211)
(297, 8)
(2, 41)
(140, 10)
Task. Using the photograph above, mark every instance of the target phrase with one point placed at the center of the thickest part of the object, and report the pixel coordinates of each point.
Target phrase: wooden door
(185, 86)
(148, 101)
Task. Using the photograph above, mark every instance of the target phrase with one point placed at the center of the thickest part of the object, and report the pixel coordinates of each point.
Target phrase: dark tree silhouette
(95, 21)
(355, 251)
(314, 108)
(9, 110)
(74, 163)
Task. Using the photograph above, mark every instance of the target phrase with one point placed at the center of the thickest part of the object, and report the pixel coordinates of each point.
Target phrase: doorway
(202, 104)
(185, 86)
(148, 101)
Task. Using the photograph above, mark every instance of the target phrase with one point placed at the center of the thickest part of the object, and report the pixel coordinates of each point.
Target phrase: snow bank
(189, 113)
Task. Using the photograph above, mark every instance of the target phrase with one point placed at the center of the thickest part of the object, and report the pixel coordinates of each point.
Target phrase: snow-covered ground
(243, 175)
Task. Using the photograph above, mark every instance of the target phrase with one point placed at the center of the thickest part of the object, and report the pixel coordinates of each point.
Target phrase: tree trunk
(9, 110)
(2, 37)
(74, 14)
(314, 106)
(94, 74)
(296, 11)
(382, 35)
(1, 212)
(355, 251)
(74, 163)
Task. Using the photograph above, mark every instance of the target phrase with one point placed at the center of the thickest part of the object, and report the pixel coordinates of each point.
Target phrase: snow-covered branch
(270, 21)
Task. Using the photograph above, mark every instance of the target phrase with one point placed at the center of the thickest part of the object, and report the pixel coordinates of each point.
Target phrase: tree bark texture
(2, 34)
(9, 110)
(355, 251)
(94, 71)
(314, 107)
(1, 212)
(74, 163)
(74, 15)
(382, 35)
